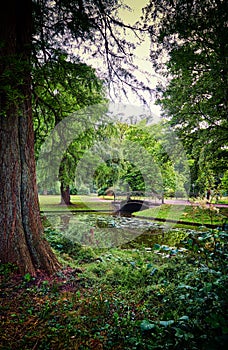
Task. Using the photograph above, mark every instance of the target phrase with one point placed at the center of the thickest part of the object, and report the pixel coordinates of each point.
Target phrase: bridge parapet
(129, 202)
(139, 195)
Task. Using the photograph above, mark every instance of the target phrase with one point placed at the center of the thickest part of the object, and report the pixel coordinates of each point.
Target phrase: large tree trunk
(21, 230)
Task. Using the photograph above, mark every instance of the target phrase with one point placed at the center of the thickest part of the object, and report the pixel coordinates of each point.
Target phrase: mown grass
(223, 200)
(52, 203)
(189, 213)
(131, 298)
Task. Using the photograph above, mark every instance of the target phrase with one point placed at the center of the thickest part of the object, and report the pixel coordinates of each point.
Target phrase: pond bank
(110, 212)
(179, 222)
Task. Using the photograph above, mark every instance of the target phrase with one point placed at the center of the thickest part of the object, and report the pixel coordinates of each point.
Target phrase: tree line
(41, 83)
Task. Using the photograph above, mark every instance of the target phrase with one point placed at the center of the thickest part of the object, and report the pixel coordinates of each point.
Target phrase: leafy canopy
(192, 36)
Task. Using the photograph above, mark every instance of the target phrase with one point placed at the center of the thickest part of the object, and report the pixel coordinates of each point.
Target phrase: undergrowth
(131, 298)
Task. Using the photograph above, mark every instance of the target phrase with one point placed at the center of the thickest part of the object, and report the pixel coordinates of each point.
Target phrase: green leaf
(183, 318)
(166, 323)
(146, 325)
(133, 264)
(153, 271)
(165, 248)
(149, 266)
(185, 286)
(27, 277)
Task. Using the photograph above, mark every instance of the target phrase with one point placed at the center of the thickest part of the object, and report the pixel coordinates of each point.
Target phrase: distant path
(186, 202)
(166, 201)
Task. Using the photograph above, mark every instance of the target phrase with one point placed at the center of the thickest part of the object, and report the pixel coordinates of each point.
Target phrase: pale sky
(145, 73)
(142, 52)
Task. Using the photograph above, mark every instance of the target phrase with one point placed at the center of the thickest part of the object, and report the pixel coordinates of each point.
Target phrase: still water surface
(100, 230)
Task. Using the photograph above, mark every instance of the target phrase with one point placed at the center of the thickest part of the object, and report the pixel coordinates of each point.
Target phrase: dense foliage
(63, 84)
(158, 298)
(191, 36)
(144, 158)
(61, 88)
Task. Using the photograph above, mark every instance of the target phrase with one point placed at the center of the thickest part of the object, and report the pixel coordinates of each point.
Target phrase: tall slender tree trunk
(65, 194)
(64, 188)
(21, 231)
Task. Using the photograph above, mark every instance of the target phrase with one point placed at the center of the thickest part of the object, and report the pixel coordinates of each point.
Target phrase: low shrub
(134, 298)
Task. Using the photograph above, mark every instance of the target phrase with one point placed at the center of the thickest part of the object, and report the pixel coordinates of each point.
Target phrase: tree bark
(65, 194)
(21, 232)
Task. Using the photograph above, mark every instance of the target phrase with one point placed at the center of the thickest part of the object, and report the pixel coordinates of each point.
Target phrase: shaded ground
(120, 300)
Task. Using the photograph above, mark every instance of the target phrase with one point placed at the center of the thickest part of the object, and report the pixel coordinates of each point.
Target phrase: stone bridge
(130, 202)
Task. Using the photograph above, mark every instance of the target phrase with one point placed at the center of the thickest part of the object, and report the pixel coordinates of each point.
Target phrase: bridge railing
(139, 195)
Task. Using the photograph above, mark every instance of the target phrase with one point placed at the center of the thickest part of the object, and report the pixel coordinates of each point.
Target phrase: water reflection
(104, 231)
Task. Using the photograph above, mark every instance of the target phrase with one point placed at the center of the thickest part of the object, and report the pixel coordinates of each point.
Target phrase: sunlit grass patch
(188, 213)
(80, 202)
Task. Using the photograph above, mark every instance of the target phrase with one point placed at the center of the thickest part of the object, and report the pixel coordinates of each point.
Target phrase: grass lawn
(52, 203)
(187, 213)
(223, 200)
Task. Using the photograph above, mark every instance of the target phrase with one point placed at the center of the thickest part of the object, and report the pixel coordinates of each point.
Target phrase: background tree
(166, 169)
(225, 182)
(192, 35)
(61, 88)
(142, 158)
